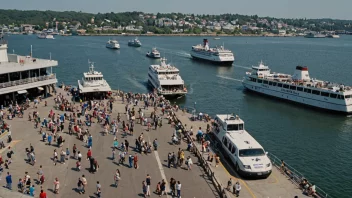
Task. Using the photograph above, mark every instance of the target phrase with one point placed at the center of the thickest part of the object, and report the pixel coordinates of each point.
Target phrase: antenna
(31, 51)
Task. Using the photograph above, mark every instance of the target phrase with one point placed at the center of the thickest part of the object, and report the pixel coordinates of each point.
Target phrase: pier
(203, 180)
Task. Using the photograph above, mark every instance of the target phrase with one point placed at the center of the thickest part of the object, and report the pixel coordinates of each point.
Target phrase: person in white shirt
(178, 188)
(237, 189)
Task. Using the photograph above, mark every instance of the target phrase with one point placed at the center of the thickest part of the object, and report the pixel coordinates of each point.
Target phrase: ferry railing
(295, 176)
(27, 81)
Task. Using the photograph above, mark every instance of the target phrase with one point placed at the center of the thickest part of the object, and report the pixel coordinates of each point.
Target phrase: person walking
(56, 186)
(162, 188)
(173, 186)
(145, 189)
(148, 181)
(40, 172)
(117, 177)
(135, 161)
(55, 158)
(42, 194)
(98, 189)
(178, 188)
(237, 189)
(84, 184)
(9, 181)
(74, 151)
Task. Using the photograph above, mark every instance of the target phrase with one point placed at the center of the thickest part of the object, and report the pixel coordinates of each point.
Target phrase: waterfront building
(24, 77)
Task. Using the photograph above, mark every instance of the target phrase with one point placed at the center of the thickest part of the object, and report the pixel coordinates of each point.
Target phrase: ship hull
(152, 56)
(167, 96)
(297, 99)
(217, 62)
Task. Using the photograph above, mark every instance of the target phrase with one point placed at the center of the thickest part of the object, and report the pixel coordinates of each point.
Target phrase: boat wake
(228, 78)
(190, 89)
(243, 67)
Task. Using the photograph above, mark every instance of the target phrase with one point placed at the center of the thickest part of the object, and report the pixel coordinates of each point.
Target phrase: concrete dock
(195, 183)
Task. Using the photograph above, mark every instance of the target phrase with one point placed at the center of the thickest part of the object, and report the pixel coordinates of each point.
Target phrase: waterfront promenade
(194, 182)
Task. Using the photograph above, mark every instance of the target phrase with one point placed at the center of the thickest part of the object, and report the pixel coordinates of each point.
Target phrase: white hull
(46, 36)
(212, 58)
(318, 101)
(113, 46)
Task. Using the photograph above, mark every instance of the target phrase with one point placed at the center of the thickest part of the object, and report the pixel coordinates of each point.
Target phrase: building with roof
(24, 76)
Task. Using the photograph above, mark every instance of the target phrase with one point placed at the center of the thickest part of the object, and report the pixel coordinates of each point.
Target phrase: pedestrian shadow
(141, 194)
(74, 169)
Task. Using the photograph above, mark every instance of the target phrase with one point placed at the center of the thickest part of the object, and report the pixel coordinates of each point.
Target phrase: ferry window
(233, 150)
(274, 83)
(270, 83)
(224, 140)
(348, 96)
(341, 97)
(251, 152)
(324, 94)
(293, 87)
(265, 82)
(299, 88)
(315, 92)
(254, 80)
(279, 84)
(232, 127)
(229, 147)
(260, 81)
(240, 127)
(307, 90)
(286, 86)
(333, 95)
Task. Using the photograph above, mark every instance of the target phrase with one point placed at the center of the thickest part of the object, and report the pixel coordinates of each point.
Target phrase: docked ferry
(218, 55)
(93, 85)
(166, 79)
(300, 88)
(246, 154)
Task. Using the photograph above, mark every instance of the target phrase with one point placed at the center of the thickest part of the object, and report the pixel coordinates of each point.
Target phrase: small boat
(216, 38)
(135, 43)
(113, 44)
(45, 36)
(153, 54)
(333, 36)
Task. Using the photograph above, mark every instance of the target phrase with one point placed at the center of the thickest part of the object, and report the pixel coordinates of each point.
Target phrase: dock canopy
(40, 88)
(22, 91)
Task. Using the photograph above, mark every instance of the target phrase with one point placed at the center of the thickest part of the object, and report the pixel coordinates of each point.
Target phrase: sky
(336, 9)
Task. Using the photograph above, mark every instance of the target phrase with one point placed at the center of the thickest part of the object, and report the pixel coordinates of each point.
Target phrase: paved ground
(194, 183)
(275, 186)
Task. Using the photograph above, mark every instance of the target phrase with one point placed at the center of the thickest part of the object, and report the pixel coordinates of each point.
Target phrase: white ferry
(154, 53)
(93, 85)
(24, 77)
(218, 55)
(246, 154)
(300, 88)
(166, 79)
(113, 44)
(45, 36)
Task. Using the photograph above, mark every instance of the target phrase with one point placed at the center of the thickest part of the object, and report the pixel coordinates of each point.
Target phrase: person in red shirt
(89, 154)
(135, 161)
(42, 194)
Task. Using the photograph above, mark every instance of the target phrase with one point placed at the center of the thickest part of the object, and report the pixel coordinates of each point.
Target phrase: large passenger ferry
(300, 88)
(166, 79)
(218, 55)
(247, 155)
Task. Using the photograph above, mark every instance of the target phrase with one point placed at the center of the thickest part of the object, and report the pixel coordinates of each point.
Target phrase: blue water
(317, 144)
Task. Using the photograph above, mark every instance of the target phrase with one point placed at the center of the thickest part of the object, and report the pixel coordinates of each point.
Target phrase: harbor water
(318, 144)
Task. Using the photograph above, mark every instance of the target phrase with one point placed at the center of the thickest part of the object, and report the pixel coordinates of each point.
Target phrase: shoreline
(191, 35)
